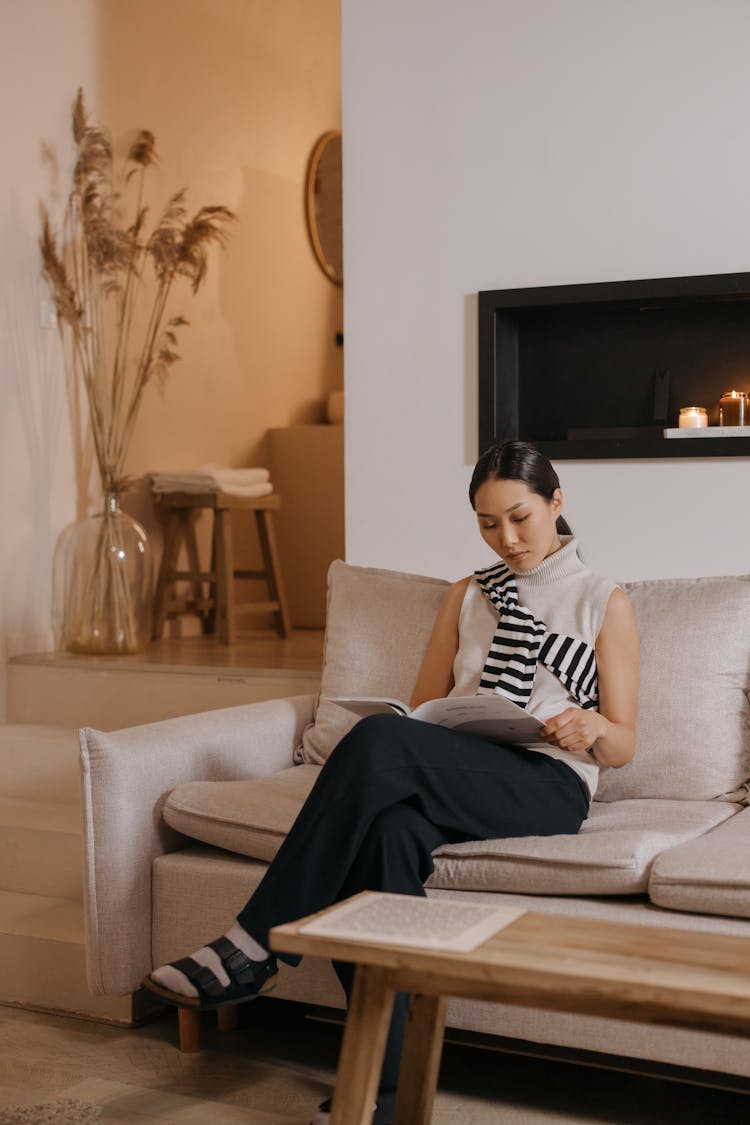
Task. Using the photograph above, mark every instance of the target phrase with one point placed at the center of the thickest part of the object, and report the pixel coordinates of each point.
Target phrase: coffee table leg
(361, 1059)
(420, 1060)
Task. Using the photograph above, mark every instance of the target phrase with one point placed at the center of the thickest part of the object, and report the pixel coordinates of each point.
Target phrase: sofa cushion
(378, 623)
(693, 716)
(709, 875)
(693, 733)
(611, 855)
(248, 817)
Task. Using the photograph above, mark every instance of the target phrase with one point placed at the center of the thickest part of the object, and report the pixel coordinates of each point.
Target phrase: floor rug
(67, 1111)
(123, 1103)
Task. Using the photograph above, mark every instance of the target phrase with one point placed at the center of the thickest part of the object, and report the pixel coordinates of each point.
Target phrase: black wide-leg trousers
(392, 791)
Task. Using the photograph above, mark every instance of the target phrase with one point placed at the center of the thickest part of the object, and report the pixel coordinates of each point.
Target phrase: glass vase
(101, 596)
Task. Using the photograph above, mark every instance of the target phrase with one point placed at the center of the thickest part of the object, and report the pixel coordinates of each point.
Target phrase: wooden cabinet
(307, 469)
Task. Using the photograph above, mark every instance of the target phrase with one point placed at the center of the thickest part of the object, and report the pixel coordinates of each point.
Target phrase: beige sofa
(182, 816)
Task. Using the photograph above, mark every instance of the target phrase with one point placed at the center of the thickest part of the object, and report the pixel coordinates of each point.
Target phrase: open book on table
(489, 716)
(380, 918)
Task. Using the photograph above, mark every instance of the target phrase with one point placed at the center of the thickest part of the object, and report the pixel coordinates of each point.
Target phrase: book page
(428, 923)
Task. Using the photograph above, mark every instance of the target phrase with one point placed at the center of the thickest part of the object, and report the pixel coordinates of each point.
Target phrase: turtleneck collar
(563, 562)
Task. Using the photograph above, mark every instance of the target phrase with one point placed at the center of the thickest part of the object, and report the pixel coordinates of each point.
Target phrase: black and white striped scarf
(521, 642)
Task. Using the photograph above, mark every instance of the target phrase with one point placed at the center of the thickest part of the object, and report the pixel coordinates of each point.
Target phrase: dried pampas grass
(111, 278)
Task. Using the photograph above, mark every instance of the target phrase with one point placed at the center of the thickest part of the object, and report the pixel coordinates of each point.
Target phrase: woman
(537, 627)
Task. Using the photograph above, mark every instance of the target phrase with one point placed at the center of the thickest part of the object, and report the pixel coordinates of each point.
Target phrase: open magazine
(377, 917)
(489, 716)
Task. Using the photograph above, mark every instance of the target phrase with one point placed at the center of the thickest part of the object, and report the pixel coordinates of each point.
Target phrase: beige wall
(237, 92)
(46, 49)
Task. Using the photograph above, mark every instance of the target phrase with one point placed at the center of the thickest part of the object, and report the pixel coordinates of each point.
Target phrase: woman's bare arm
(435, 677)
(610, 731)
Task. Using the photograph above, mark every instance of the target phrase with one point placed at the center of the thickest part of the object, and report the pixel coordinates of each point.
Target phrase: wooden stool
(218, 611)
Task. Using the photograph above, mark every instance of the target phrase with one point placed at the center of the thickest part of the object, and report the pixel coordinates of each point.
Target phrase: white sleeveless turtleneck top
(563, 593)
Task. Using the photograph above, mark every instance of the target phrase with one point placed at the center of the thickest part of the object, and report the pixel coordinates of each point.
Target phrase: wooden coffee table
(651, 974)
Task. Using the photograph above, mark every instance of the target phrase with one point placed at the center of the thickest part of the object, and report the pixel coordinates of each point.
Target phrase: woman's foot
(229, 970)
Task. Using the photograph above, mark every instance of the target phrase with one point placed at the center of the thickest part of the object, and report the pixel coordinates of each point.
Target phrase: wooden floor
(280, 1064)
(303, 651)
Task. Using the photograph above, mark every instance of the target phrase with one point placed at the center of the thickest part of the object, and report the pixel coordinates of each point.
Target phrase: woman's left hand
(574, 729)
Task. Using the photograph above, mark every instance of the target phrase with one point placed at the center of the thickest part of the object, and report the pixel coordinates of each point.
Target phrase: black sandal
(247, 979)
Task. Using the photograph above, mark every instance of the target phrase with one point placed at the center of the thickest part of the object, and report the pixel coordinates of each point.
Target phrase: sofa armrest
(126, 776)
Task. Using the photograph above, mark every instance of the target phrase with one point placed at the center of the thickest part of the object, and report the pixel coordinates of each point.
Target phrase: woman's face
(518, 524)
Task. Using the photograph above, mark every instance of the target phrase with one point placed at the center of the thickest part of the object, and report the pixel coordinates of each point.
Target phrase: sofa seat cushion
(611, 855)
(378, 623)
(710, 875)
(248, 817)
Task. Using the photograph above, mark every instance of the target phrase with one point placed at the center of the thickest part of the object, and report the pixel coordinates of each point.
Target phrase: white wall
(493, 144)
(46, 51)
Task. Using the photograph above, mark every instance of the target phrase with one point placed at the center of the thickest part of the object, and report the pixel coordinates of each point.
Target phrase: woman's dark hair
(517, 460)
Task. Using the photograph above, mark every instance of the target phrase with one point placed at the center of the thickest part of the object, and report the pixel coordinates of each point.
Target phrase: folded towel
(219, 473)
(195, 481)
(247, 489)
(159, 488)
(214, 478)
(224, 475)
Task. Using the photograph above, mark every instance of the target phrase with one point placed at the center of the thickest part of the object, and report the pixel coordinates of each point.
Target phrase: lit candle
(733, 409)
(693, 418)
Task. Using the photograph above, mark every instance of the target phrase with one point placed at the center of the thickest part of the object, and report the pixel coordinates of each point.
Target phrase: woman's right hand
(575, 729)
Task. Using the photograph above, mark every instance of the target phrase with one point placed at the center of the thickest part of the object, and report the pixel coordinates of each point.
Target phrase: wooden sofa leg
(190, 1030)
(228, 1019)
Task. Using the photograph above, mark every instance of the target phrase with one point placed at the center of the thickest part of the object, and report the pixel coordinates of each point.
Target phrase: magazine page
(488, 716)
(430, 923)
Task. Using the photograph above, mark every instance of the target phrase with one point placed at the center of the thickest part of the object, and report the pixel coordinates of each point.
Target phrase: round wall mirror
(324, 214)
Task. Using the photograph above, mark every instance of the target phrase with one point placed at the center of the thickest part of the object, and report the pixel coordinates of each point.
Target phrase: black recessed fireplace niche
(601, 370)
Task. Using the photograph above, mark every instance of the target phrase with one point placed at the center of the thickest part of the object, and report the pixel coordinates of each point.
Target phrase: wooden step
(50, 695)
(113, 692)
(42, 959)
(39, 763)
(41, 848)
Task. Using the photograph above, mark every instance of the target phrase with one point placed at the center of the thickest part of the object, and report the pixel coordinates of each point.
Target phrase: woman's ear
(557, 502)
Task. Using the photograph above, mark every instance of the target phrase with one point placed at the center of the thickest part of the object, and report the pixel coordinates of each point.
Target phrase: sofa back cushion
(378, 623)
(693, 732)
